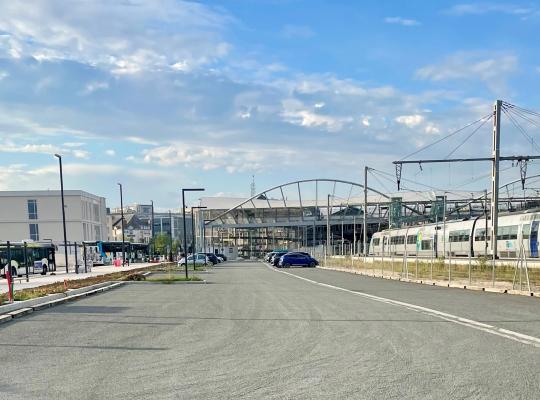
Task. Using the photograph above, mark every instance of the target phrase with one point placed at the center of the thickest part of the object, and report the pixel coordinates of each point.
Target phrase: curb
(28, 306)
(436, 283)
(203, 282)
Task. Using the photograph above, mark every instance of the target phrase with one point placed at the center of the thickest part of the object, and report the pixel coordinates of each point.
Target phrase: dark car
(275, 258)
(300, 259)
(222, 256)
(268, 256)
(212, 257)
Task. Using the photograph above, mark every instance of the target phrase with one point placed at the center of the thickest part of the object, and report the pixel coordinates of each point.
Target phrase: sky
(165, 94)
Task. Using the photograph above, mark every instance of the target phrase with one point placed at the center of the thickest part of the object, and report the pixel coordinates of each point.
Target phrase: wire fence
(520, 274)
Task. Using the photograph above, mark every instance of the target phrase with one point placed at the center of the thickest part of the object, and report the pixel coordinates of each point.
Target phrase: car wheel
(312, 265)
(287, 265)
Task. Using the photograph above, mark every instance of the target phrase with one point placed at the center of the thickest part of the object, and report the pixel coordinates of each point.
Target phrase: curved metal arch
(294, 183)
(489, 192)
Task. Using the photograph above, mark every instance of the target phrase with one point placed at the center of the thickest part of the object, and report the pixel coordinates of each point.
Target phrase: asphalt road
(253, 332)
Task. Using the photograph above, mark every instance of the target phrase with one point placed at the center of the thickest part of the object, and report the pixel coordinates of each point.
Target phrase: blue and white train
(517, 234)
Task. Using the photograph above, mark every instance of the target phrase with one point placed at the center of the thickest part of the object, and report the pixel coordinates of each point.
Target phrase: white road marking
(505, 333)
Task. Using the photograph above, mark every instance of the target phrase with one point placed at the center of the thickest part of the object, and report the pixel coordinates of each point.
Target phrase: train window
(411, 239)
(459, 236)
(426, 244)
(376, 241)
(507, 232)
(479, 235)
(526, 231)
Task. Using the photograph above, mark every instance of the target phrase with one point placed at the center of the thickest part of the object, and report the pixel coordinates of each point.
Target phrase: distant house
(136, 230)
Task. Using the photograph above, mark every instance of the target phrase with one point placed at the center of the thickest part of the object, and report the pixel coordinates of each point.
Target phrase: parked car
(268, 256)
(213, 258)
(275, 258)
(200, 259)
(221, 259)
(300, 259)
(222, 256)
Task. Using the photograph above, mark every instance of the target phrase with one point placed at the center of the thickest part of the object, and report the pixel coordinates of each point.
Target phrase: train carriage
(517, 233)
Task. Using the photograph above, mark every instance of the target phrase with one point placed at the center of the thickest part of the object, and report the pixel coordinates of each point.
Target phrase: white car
(200, 259)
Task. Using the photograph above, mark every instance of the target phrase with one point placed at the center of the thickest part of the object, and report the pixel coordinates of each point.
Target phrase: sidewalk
(36, 280)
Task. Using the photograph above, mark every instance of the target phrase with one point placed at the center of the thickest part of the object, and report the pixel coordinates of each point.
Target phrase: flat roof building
(37, 215)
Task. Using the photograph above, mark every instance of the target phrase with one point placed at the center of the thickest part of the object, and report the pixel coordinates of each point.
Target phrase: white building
(37, 215)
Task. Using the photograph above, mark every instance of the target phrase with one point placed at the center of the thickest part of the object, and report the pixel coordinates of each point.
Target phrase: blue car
(300, 259)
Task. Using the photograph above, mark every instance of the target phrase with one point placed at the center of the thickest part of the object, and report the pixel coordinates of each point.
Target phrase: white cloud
(12, 147)
(319, 105)
(296, 113)
(485, 8)
(491, 69)
(141, 140)
(95, 86)
(235, 159)
(130, 37)
(74, 144)
(3, 75)
(365, 121)
(110, 152)
(431, 129)
(81, 153)
(401, 21)
(410, 120)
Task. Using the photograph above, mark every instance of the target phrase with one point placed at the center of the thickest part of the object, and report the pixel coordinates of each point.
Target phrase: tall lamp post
(152, 231)
(184, 218)
(170, 237)
(63, 209)
(122, 217)
(193, 233)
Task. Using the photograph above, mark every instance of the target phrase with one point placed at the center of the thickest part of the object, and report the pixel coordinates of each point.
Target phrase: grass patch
(480, 270)
(58, 287)
(173, 279)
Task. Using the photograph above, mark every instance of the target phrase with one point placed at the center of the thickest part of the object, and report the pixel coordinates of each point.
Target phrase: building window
(34, 232)
(32, 209)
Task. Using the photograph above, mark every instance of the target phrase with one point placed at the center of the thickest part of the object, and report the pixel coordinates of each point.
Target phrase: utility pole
(364, 250)
(495, 180)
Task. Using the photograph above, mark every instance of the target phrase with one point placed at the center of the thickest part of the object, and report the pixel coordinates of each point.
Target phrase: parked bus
(38, 256)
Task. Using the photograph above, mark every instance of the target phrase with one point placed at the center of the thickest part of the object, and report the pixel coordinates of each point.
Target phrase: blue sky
(164, 94)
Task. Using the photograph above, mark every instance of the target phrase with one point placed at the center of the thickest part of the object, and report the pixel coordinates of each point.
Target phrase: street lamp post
(170, 237)
(63, 209)
(184, 218)
(152, 231)
(193, 250)
(122, 219)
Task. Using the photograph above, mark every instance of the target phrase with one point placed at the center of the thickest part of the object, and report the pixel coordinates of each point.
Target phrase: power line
(447, 136)
(468, 137)
(521, 129)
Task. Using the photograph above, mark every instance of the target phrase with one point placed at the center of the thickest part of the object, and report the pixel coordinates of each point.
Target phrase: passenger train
(517, 233)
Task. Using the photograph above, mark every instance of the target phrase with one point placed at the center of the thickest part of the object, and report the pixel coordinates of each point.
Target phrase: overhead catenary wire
(470, 135)
(521, 129)
(448, 136)
(420, 184)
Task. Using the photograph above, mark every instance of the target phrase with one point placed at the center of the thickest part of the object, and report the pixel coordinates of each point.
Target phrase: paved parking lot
(252, 332)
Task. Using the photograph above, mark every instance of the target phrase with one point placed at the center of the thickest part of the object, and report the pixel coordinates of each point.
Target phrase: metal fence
(505, 274)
